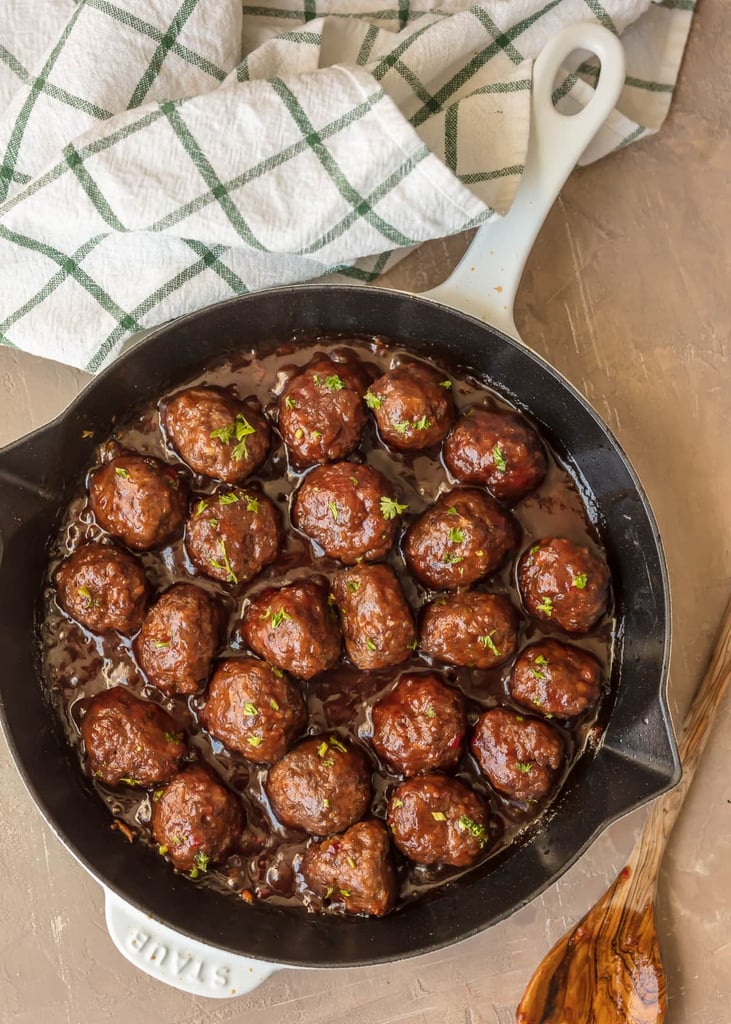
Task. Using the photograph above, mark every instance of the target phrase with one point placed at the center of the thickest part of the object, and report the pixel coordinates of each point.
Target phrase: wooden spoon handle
(648, 851)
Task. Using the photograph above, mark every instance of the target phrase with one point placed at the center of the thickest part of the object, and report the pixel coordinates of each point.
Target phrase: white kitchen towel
(159, 155)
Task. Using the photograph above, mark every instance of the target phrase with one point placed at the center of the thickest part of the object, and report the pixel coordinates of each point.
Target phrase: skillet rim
(671, 773)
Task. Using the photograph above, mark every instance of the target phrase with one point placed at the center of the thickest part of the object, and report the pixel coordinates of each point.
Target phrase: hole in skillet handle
(575, 82)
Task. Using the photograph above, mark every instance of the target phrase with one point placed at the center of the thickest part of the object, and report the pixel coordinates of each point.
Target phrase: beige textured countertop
(627, 293)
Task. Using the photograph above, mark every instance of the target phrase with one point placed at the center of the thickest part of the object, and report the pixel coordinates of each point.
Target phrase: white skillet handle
(485, 282)
(177, 960)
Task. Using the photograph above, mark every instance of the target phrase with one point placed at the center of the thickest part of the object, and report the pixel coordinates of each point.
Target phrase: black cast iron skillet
(636, 760)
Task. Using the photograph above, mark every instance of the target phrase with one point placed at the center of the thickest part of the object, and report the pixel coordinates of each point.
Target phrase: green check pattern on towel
(159, 155)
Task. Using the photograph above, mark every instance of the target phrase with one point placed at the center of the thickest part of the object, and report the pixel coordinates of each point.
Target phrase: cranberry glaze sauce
(265, 865)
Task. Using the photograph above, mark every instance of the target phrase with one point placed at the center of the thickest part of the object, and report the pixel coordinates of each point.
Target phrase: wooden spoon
(608, 969)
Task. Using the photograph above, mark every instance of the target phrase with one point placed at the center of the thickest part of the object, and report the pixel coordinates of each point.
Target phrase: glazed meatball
(196, 820)
(564, 583)
(375, 618)
(130, 740)
(353, 869)
(103, 588)
(470, 628)
(497, 450)
(413, 406)
(321, 786)
(321, 413)
(420, 725)
(464, 536)
(556, 678)
(253, 708)
(294, 628)
(348, 510)
(233, 534)
(434, 819)
(179, 637)
(216, 434)
(519, 756)
(139, 499)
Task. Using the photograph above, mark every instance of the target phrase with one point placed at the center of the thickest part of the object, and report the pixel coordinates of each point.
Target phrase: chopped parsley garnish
(546, 606)
(277, 672)
(439, 816)
(397, 803)
(352, 586)
(129, 781)
(334, 383)
(278, 617)
(173, 737)
(328, 892)
(157, 794)
(322, 749)
(390, 508)
(498, 457)
(474, 828)
(240, 429)
(325, 802)
(524, 767)
(548, 714)
(430, 713)
(317, 434)
(251, 709)
(345, 892)
(372, 401)
(290, 402)
(534, 549)
(200, 507)
(351, 862)
(451, 511)
(228, 499)
(541, 660)
(335, 742)
(224, 434)
(122, 472)
(85, 593)
(299, 433)
(224, 564)
(456, 536)
(256, 741)
(451, 559)
(243, 430)
(370, 644)
(162, 850)
(332, 505)
(446, 384)
(200, 863)
(354, 481)
(413, 645)
(402, 427)
(537, 674)
(317, 379)
(213, 523)
(580, 581)
(422, 424)
(487, 641)
(252, 505)
(273, 704)
(536, 701)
